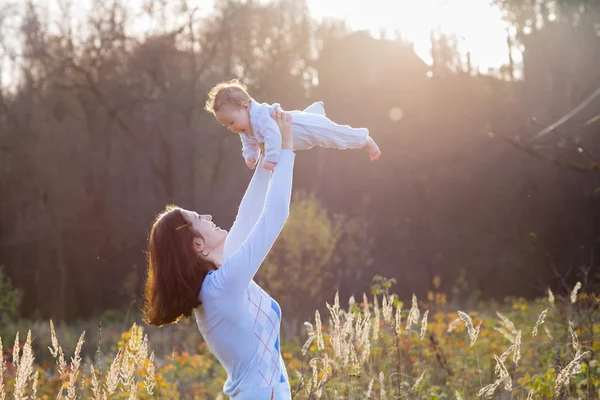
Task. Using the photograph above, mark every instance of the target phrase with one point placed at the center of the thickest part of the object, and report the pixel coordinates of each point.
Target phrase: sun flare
(477, 24)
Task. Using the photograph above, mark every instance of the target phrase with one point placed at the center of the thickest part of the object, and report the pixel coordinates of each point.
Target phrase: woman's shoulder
(207, 289)
(213, 287)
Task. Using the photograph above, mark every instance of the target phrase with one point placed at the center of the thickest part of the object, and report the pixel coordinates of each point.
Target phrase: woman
(194, 265)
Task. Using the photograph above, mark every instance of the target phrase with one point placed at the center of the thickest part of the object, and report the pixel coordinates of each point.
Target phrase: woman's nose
(208, 217)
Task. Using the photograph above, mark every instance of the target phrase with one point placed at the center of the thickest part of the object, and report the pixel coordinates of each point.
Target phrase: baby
(233, 107)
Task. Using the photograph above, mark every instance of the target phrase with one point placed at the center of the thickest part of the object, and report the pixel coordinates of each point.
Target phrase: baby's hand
(269, 165)
(251, 162)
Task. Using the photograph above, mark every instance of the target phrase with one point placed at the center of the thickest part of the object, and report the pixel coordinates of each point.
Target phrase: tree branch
(567, 116)
(594, 166)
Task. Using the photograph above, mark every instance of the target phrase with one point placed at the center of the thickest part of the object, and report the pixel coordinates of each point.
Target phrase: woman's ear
(246, 105)
(198, 245)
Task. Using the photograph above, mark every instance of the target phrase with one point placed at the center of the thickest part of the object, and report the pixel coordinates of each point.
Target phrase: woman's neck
(217, 255)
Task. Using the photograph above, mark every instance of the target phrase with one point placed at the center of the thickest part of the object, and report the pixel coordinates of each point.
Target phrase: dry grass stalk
(453, 325)
(517, 351)
(418, 382)
(319, 328)
(377, 320)
(507, 323)
(369, 389)
(354, 361)
(112, 378)
(74, 370)
(424, 325)
(347, 337)
(550, 296)
(2, 369)
(15, 353)
(315, 375)
(562, 380)
(311, 337)
(503, 358)
(504, 375)
(366, 309)
(414, 313)
(488, 391)
(57, 352)
(335, 310)
(388, 309)
(96, 391)
(541, 319)
(574, 292)
(24, 368)
(576, 345)
(365, 342)
(34, 384)
(398, 318)
(473, 332)
(509, 336)
(300, 377)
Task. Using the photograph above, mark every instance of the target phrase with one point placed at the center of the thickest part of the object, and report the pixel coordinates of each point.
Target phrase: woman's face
(202, 224)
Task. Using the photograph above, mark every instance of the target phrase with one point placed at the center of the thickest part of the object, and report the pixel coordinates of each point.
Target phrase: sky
(477, 23)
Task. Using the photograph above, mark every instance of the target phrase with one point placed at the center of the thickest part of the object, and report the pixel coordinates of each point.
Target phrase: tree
(561, 86)
(298, 270)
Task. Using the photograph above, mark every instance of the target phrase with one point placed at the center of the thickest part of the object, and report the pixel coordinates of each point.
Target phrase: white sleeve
(249, 147)
(240, 267)
(272, 136)
(249, 210)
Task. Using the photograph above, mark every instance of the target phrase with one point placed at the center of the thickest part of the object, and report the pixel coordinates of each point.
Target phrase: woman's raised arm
(250, 208)
(243, 263)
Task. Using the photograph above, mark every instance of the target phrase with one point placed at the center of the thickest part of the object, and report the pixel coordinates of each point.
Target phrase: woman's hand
(284, 122)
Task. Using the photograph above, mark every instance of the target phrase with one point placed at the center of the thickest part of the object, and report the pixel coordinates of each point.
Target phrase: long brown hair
(175, 272)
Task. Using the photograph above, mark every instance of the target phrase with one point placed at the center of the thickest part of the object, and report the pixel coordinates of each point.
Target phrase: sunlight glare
(477, 24)
(396, 114)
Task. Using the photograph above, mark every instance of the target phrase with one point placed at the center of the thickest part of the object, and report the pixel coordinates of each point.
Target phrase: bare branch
(578, 146)
(568, 116)
(595, 166)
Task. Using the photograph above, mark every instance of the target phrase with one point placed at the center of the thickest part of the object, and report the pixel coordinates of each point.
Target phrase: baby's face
(236, 119)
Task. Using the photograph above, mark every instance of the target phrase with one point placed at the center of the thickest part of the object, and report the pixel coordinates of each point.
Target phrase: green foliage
(382, 285)
(10, 299)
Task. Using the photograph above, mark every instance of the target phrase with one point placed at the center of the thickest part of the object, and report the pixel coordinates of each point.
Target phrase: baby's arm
(272, 136)
(250, 150)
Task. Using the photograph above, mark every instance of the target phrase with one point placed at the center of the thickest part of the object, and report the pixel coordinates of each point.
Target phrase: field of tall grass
(375, 347)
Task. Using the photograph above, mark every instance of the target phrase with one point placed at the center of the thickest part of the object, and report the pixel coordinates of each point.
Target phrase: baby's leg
(372, 148)
(315, 108)
(318, 130)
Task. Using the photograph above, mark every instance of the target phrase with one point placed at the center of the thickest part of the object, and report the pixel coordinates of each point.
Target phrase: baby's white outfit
(310, 128)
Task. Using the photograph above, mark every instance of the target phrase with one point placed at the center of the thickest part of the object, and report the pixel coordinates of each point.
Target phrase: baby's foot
(372, 148)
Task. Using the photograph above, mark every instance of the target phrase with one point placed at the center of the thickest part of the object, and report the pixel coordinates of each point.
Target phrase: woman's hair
(175, 272)
(231, 92)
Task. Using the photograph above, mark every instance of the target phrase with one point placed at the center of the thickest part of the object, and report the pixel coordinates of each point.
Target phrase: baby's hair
(231, 92)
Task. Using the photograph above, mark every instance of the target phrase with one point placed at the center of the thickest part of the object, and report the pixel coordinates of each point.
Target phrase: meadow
(374, 347)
